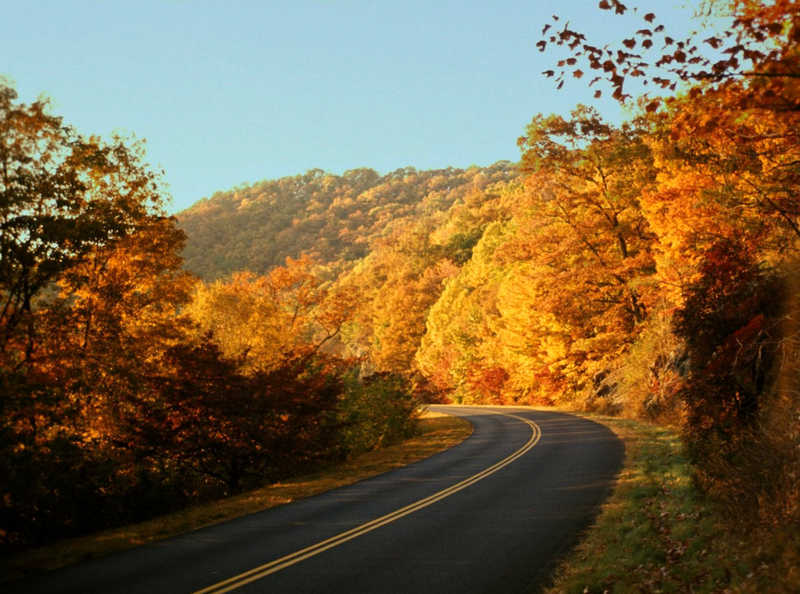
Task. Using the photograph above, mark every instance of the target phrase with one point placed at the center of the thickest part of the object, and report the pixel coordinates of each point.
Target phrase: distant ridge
(333, 218)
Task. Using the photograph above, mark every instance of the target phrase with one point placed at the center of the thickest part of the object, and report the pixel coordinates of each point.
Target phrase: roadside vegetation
(659, 532)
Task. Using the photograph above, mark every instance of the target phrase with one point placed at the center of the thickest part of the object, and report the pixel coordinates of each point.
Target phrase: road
(493, 514)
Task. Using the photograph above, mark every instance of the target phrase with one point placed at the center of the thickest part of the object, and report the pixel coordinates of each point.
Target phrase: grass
(657, 533)
(437, 432)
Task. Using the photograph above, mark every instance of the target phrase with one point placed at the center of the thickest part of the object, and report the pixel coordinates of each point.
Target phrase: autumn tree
(265, 320)
(224, 430)
(757, 45)
(586, 231)
(458, 351)
(82, 234)
(731, 139)
(116, 314)
(61, 195)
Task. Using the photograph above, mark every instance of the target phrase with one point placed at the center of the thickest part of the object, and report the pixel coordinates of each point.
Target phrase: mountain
(333, 218)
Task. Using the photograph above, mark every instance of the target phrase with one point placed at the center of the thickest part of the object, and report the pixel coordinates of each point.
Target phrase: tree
(200, 414)
(265, 320)
(586, 236)
(458, 349)
(88, 279)
(758, 46)
(116, 315)
(61, 195)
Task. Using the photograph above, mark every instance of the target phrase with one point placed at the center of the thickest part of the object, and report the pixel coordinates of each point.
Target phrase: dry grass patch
(437, 432)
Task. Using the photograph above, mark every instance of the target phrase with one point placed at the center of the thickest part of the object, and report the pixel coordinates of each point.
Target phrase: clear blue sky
(239, 91)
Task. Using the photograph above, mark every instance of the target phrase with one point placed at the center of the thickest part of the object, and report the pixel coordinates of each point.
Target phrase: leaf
(649, 17)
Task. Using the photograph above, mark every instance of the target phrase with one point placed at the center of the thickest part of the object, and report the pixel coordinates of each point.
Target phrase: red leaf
(649, 17)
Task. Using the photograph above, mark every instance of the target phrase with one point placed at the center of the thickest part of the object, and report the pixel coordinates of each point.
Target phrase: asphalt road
(492, 514)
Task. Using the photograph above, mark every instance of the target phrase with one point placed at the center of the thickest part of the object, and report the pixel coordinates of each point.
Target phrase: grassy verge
(437, 432)
(656, 533)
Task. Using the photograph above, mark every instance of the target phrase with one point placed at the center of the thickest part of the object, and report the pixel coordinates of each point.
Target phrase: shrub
(375, 411)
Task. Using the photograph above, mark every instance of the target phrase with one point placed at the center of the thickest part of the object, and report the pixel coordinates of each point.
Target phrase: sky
(233, 92)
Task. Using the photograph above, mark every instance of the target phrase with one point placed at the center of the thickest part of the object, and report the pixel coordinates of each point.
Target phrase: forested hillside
(332, 218)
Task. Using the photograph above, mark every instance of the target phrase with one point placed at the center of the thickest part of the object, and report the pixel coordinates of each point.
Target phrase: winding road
(493, 514)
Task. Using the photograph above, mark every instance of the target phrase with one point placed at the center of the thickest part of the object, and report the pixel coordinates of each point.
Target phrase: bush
(731, 323)
(375, 411)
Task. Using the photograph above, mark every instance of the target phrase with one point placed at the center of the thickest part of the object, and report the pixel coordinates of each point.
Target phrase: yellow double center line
(261, 571)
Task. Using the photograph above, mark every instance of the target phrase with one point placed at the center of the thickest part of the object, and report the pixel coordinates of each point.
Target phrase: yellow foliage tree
(265, 320)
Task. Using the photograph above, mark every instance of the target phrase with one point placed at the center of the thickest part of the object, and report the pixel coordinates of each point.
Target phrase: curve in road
(492, 514)
(288, 560)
